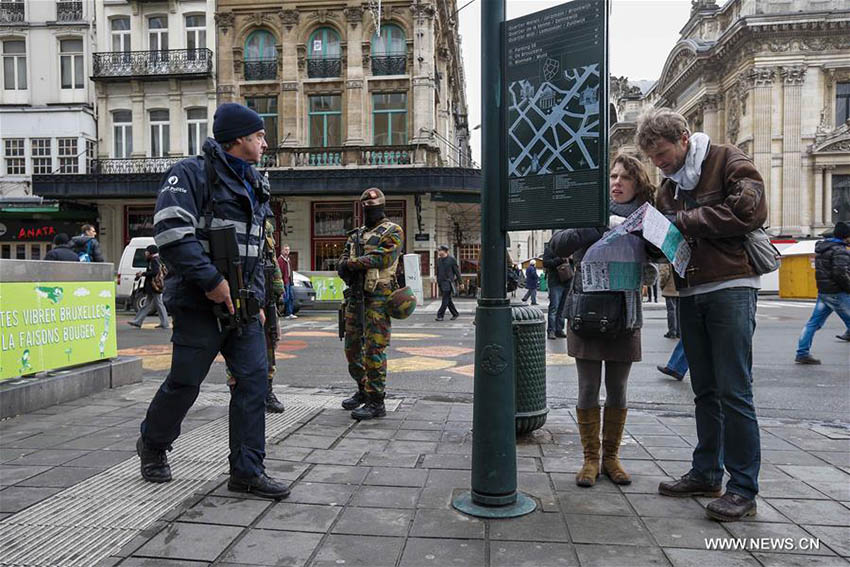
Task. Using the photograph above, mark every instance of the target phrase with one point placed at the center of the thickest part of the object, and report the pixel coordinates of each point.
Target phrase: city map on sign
(553, 120)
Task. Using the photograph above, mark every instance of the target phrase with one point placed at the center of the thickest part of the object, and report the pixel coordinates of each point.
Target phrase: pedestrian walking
(671, 299)
(205, 201)
(629, 189)
(285, 264)
(677, 365)
(62, 250)
(559, 276)
(832, 275)
(370, 255)
(532, 280)
(153, 287)
(652, 289)
(448, 279)
(87, 246)
(715, 197)
(271, 328)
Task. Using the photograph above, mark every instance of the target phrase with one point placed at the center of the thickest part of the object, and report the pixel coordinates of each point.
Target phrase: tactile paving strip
(95, 518)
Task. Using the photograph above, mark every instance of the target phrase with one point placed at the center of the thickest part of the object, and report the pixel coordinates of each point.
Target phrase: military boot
(155, 466)
(374, 408)
(273, 405)
(355, 401)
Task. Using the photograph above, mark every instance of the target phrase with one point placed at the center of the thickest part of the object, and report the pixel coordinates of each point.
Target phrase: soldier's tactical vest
(375, 276)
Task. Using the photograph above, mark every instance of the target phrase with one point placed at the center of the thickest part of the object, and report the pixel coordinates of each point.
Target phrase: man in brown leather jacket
(715, 196)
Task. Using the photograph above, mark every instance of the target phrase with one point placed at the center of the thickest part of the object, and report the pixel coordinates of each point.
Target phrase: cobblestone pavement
(378, 493)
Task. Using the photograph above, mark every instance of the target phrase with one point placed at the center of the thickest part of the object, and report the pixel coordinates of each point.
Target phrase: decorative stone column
(289, 111)
(795, 196)
(177, 119)
(137, 101)
(760, 82)
(355, 134)
(710, 117)
(423, 74)
(818, 169)
(827, 195)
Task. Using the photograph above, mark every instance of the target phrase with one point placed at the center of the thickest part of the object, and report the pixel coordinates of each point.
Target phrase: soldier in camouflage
(274, 302)
(380, 243)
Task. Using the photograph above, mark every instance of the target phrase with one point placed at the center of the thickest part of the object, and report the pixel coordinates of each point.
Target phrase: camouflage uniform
(367, 360)
(275, 295)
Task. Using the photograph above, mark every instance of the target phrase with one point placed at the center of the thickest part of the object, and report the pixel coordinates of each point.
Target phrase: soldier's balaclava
(373, 201)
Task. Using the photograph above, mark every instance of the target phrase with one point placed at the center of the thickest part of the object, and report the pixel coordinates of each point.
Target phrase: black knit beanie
(232, 120)
(842, 230)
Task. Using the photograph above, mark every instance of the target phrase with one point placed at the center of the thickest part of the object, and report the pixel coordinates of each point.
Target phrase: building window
(122, 134)
(389, 119)
(332, 220)
(840, 198)
(91, 153)
(266, 107)
(324, 54)
(68, 162)
(260, 57)
(158, 34)
(71, 63)
(197, 120)
(16, 162)
(138, 222)
(120, 35)
(160, 133)
(325, 116)
(196, 34)
(42, 160)
(389, 51)
(14, 65)
(468, 257)
(842, 103)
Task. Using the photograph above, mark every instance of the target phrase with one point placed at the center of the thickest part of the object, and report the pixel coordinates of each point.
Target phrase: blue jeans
(557, 300)
(678, 361)
(289, 302)
(825, 305)
(532, 293)
(717, 333)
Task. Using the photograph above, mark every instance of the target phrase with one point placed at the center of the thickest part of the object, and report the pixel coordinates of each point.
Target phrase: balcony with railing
(156, 64)
(324, 67)
(123, 166)
(11, 12)
(261, 70)
(389, 64)
(67, 11)
(346, 156)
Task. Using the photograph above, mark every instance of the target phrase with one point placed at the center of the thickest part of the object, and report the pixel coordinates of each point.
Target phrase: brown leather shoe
(731, 507)
(688, 486)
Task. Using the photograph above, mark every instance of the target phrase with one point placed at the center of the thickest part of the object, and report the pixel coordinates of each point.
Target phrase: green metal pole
(494, 492)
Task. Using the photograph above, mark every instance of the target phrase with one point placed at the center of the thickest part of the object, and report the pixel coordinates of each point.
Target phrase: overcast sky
(641, 34)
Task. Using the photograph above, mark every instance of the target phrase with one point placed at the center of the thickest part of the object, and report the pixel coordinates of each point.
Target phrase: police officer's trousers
(197, 340)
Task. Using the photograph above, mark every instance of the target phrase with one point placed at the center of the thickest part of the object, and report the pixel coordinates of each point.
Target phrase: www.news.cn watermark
(762, 543)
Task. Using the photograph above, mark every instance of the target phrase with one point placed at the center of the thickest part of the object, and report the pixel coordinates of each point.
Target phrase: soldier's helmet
(401, 303)
(372, 197)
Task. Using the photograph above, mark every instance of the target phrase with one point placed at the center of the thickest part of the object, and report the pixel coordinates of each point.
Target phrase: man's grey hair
(659, 124)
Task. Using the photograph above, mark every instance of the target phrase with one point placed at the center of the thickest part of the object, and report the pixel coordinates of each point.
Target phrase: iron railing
(134, 165)
(324, 67)
(389, 65)
(155, 63)
(11, 12)
(261, 70)
(342, 156)
(69, 11)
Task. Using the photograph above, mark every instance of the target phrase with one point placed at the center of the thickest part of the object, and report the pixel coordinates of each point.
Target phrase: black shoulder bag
(596, 315)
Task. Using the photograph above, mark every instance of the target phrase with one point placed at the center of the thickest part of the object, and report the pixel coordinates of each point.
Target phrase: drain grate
(95, 518)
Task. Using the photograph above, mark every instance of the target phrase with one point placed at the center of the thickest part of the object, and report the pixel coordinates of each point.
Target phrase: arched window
(260, 57)
(389, 51)
(323, 54)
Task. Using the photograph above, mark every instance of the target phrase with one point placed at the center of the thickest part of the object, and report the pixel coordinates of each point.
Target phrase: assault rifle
(354, 294)
(224, 250)
(271, 328)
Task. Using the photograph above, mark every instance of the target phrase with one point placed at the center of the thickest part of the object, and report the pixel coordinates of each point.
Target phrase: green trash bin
(529, 334)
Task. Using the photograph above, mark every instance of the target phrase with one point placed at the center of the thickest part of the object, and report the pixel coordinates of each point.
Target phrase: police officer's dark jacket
(180, 225)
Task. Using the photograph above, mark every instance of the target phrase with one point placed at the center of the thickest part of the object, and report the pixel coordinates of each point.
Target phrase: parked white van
(132, 261)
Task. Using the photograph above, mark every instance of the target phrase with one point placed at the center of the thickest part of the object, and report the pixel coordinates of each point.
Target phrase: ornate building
(773, 78)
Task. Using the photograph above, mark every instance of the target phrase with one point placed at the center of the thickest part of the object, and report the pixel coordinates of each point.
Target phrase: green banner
(328, 288)
(47, 325)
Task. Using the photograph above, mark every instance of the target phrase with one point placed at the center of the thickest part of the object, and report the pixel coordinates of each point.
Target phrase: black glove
(343, 271)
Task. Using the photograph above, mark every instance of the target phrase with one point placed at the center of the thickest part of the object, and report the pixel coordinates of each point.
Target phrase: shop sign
(36, 231)
(48, 325)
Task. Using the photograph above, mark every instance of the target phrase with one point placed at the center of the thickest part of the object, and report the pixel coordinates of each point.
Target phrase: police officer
(380, 243)
(274, 301)
(216, 189)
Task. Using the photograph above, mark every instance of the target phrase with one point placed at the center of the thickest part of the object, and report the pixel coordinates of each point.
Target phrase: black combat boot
(273, 405)
(373, 408)
(154, 463)
(355, 401)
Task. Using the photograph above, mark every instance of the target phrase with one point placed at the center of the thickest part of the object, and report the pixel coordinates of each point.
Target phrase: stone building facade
(773, 78)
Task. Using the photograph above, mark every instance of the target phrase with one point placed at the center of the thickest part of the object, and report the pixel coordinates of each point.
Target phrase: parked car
(132, 261)
(303, 294)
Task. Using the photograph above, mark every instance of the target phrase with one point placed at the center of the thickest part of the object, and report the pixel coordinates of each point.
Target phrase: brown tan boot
(588, 428)
(612, 433)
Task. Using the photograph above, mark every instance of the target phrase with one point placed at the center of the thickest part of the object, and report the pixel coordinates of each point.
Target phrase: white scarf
(688, 175)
